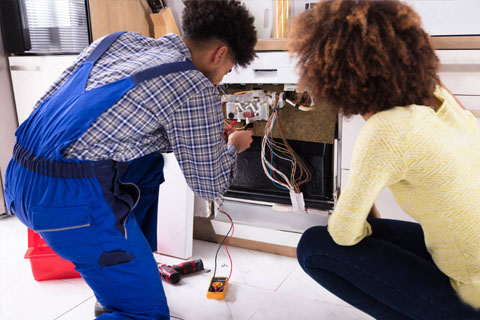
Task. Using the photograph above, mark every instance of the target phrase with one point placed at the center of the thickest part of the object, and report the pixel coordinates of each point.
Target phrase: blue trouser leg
(147, 173)
(76, 217)
(389, 275)
(126, 280)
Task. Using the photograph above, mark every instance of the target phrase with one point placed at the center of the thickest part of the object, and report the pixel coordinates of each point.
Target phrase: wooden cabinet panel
(108, 16)
(439, 43)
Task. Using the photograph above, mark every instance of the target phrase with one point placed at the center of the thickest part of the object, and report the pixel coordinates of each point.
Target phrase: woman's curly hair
(364, 56)
(226, 20)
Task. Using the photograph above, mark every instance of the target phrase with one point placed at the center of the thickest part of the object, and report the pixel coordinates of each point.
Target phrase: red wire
(228, 239)
(226, 243)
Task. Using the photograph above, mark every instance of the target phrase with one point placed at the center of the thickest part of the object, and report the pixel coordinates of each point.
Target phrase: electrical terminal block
(249, 105)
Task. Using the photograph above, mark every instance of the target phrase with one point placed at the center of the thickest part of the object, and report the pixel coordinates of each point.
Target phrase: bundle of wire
(233, 123)
(300, 101)
(299, 106)
(284, 151)
(227, 238)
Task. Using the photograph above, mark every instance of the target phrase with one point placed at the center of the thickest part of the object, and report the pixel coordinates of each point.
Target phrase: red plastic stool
(46, 264)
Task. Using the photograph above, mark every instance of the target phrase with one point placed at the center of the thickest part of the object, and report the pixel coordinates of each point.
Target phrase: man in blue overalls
(87, 165)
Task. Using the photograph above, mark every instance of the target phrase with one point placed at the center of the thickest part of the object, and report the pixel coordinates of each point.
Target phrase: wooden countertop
(439, 42)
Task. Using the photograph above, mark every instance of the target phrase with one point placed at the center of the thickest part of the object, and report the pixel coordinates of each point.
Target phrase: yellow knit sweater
(431, 162)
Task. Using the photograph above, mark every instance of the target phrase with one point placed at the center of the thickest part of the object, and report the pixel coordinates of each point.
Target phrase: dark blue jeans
(389, 275)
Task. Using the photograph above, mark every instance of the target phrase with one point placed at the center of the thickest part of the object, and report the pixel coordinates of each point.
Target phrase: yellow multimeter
(217, 288)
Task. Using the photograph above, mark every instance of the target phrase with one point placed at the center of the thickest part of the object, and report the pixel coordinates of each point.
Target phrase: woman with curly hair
(372, 58)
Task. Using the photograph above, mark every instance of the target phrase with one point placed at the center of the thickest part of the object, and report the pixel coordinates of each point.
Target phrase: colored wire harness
(282, 150)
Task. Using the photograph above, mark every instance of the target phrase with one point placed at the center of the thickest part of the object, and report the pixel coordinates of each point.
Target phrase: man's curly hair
(364, 56)
(226, 20)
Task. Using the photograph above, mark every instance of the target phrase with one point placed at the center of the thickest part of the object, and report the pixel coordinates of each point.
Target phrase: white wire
(266, 163)
(305, 109)
(278, 156)
(300, 107)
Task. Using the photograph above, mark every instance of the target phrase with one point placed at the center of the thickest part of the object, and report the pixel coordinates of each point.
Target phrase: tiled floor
(263, 286)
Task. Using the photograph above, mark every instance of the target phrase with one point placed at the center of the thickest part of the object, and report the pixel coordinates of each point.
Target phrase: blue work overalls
(82, 208)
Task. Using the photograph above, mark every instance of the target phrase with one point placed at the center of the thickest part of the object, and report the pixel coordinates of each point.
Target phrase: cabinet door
(175, 212)
(460, 73)
(32, 76)
(350, 130)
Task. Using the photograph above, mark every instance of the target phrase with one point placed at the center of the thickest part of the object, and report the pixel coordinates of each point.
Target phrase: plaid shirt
(179, 112)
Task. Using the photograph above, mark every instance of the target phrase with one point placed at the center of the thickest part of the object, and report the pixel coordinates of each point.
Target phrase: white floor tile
(12, 270)
(263, 286)
(273, 270)
(253, 268)
(187, 300)
(293, 307)
(84, 311)
(13, 238)
(300, 284)
(29, 299)
(4, 316)
(79, 282)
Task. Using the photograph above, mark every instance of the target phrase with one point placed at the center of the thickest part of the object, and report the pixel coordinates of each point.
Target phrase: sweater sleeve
(378, 161)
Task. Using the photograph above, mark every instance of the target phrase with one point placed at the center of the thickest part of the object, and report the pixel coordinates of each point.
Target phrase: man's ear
(220, 54)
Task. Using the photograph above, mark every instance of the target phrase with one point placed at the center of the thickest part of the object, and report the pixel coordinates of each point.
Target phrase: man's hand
(241, 140)
(228, 130)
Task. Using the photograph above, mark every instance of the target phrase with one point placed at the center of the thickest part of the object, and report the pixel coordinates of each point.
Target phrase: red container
(46, 264)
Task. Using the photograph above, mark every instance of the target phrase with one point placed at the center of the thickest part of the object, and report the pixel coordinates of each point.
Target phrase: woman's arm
(378, 160)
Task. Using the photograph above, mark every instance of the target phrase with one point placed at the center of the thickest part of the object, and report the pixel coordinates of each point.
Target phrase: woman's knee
(313, 240)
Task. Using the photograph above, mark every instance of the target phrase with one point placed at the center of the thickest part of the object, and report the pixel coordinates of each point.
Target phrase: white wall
(449, 17)
(32, 76)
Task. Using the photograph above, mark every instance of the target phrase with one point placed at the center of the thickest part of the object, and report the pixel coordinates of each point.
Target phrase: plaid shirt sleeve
(195, 132)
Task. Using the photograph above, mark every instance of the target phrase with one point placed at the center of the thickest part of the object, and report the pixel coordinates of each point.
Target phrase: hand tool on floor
(217, 288)
(172, 273)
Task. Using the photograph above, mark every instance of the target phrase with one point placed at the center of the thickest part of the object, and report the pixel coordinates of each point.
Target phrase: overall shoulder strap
(103, 46)
(161, 70)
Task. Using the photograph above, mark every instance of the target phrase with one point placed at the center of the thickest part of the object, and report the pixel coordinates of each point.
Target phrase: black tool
(156, 5)
(172, 273)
